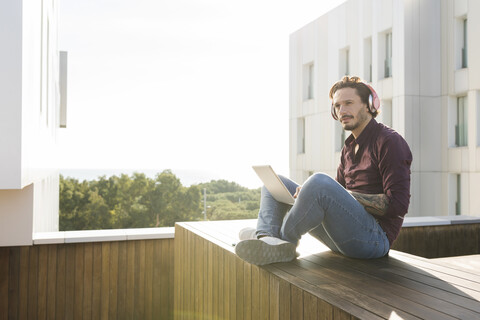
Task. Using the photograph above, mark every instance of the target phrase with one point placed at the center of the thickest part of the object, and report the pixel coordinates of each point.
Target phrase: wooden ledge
(212, 282)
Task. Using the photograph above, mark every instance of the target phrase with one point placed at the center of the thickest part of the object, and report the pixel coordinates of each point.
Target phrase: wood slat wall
(213, 283)
(439, 241)
(103, 280)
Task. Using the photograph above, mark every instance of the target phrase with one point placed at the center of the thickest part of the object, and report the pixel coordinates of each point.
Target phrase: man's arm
(376, 204)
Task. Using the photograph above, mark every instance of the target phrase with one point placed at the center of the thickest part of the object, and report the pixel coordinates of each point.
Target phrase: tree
(137, 201)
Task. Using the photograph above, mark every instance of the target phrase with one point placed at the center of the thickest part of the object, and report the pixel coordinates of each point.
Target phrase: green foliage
(137, 201)
(229, 201)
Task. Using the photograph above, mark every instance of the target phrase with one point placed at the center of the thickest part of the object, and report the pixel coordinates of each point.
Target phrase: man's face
(351, 112)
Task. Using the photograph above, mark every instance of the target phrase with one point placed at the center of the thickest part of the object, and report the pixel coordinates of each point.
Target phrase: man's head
(351, 105)
(364, 91)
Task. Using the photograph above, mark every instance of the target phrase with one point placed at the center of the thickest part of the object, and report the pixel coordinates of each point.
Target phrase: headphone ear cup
(373, 100)
(370, 103)
(334, 113)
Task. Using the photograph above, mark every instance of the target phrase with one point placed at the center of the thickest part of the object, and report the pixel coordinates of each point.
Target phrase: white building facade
(423, 59)
(30, 114)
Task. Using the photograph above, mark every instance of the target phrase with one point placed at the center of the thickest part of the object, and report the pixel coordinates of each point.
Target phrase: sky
(198, 86)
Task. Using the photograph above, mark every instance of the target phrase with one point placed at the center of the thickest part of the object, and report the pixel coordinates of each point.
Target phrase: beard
(357, 121)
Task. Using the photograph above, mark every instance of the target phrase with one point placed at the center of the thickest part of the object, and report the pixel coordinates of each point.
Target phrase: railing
(98, 279)
(119, 274)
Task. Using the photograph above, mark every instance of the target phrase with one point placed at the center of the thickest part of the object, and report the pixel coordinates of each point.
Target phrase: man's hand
(375, 204)
(297, 192)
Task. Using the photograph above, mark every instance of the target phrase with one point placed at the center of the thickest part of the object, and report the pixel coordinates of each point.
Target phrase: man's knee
(321, 182)
(321, 179)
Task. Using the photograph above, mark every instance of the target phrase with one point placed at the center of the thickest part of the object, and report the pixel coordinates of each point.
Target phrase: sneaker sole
(260, 253)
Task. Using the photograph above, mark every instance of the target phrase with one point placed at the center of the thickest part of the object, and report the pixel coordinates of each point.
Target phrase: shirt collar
(365, 135)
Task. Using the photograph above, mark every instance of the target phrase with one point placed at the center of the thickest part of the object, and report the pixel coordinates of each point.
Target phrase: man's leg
(272, 212)
(324, 202)
(269, 248)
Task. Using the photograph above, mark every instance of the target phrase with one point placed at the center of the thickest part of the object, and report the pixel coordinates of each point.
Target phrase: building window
(301, 135)
(455, 194)
(461, 125)
(388, 55)
(461, 43)
(478, 117)
(458, 203)
(464, 44)
(308, 81)
(344, 62)
(367, 59)
(63, 55)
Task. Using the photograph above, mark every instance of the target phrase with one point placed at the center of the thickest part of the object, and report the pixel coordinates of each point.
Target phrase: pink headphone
(373, 101)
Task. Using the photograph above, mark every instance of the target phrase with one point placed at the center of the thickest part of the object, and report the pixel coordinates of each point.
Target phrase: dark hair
(360, 87)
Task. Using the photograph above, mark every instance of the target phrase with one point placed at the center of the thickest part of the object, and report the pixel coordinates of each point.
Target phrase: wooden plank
(221, 289)
(341, 289)
(445, 282)
(13, 282)
(189, 301)
(167, 270)
(255, 275)
(61, 282)
(42, 282)
(298, 281)
(97, 280)
(215, 281)
(139, 298)
(470, 263)
(309, 306)
(247, 289)
(434, 268)
(130, 289)
(274, 297)
(341, 314)
(297, 303)
(105, 280)
(239, 292)
(324, 310)
(70, 271)
(79, 268)
(284, 300)
(228, 284)
(122, 280)
(439, 241)
(149, 279)
(32, 283)
(233, 287)
(177, 275)
(4, 276)
(264, 293)
(87, 280)
(52, 276)
(114, 280)
(23, 293)
(199, 276)
(398, 296)
(385, 273)
(179, 264)
(170, 245)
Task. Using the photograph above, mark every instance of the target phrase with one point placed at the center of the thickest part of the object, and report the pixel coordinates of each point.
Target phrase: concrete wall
(29, 118)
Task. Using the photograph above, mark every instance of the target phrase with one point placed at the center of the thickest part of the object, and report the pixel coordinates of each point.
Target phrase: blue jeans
(329, 213)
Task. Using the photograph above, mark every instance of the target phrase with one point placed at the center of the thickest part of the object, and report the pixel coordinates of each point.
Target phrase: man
(358, 215)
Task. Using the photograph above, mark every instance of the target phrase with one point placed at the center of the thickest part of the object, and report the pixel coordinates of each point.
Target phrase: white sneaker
(247, 233)
(265, 250)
